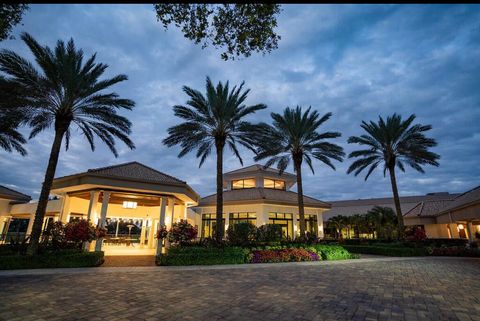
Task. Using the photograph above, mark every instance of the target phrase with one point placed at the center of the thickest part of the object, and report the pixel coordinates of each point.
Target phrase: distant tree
(240, 28)
(10, 15)
(212, 122)
(294, 136)
(65, 93)
(393, 143)
(384, 220)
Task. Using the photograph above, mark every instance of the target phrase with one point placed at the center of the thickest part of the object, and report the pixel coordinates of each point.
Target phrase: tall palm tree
(294, 136)
(393, 143)
(65, 92)
(213, 121)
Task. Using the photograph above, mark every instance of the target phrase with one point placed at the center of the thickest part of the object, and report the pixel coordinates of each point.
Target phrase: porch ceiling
(120, 197)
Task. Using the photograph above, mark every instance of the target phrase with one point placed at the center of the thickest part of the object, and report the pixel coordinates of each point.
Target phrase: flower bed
(283, 255)
(203, 255)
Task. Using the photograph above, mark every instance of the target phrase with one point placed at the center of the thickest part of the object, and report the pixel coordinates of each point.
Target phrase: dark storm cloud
(358, 62)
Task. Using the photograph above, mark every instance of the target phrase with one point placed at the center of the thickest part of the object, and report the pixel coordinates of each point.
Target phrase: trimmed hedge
(386, 250)
(194, 255)
(69, 259)
(197, 255)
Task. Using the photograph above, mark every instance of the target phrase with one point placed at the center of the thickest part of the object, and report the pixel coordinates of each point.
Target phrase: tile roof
(135, 170)
(471, 196)
(9, 193)
(361, 206)
(263, 194)
(256, 167)
(427, 208)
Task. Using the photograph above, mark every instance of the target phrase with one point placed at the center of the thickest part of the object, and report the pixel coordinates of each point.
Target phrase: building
(441, 215)
(260, 196)
(123, 197)
(458, 217)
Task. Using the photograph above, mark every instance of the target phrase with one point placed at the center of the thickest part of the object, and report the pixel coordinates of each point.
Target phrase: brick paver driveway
(402, 289)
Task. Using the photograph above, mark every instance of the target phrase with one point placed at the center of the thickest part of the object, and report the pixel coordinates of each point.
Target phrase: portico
(131, 201)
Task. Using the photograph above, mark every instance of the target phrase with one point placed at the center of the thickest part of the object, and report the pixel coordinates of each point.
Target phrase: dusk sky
(355, 61)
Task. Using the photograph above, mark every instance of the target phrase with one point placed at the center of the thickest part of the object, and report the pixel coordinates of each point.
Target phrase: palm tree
(385, 221)
(294, 136)
(393, 143)
(11, 117)
(65, 91)
(338, 222)
(213, 121)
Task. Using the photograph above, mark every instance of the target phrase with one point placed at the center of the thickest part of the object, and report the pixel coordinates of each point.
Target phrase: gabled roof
(135, 170)
(266, 195)
(403, 199)
(470, 197)
(427, 208)
(11, 194)
(257, 168)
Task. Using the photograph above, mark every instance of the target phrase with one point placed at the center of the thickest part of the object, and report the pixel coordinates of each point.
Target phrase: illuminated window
(243, 183)
(127, 204)
(209, 225)
(272, 183)
(243, 217)
(285, 220)
(310, 223)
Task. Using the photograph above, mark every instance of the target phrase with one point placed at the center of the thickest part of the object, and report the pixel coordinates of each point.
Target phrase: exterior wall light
(460, 227)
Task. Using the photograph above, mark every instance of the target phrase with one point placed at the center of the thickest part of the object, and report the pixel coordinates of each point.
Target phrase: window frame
(275, 181)
(243, 183)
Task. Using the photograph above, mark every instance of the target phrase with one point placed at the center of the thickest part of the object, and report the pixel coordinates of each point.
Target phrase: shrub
(283, 255)
(61, 259)
(454, 251)
(182, 232)
(194, 255)
(333, 252)
(79, 231)
(418, 235)
(269, 233)
(386, 250)
(242, 234)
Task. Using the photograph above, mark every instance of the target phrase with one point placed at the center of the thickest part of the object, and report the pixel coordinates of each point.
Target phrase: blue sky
(357, 62)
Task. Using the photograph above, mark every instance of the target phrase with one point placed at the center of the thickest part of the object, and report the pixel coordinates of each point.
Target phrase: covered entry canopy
(129, 195)
(128, 178)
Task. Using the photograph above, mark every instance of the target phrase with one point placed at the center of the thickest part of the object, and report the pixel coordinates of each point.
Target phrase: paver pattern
(407, 289)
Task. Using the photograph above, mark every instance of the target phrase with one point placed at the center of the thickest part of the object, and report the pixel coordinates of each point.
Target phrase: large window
(209, 224)
(285, 220)
(243, 217)
(273, 183)
(243, 183)
(310, 223)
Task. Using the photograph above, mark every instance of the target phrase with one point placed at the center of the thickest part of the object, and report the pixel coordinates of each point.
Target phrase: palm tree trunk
(396, 199)
(219, 219)
(301, 208)
(45, 192)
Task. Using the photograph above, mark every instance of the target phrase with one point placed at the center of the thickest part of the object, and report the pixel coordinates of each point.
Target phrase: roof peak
(256, 167)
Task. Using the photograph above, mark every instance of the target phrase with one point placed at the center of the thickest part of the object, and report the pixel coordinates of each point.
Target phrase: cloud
(358, 62)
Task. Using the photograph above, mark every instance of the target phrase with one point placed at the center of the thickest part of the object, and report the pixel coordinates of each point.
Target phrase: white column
(320, 225)
(30, 224)
(151, 233)
(171, 206)
(470, 234)
(103, 218)
(92, 206)
(142, 232)
(163, 205)
(64, 215)
(227, 223)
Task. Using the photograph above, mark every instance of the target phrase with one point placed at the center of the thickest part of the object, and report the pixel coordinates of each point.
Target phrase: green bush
(241, 234)
(269, 233)
(61, 259)
(333, 252)
(386, 250)
(193, 255)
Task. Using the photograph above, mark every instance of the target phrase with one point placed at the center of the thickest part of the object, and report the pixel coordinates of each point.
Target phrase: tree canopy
(238, 28)
(10, 15)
